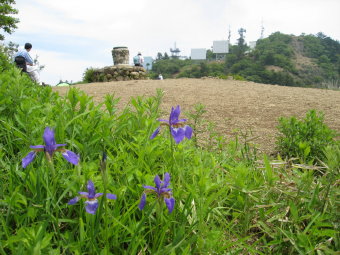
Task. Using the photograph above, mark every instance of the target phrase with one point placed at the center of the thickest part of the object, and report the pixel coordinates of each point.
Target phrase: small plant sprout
(161, 191)
(49, 148)
(91, 198)
(178, 128)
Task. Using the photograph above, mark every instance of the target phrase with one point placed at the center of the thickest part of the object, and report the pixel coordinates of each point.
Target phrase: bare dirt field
(232, 105)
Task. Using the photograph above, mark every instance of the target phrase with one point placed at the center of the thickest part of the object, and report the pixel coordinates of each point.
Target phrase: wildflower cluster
(49, 148)
(161, 191)
(178, 129)
(91, 198)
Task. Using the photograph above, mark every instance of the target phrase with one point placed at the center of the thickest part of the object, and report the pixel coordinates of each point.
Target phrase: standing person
(138, 60)
(32, 70)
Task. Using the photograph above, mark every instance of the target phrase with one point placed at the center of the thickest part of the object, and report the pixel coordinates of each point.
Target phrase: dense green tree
(166, 56)
(210, 55)
(231, 58)
(169, 67)
(275, 50)
(326, 51)
(159, 56)
(7, 22)
(204, 69)
(317, 46)
(241, 45)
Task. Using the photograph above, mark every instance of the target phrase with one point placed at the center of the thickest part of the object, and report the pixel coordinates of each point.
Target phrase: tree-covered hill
(305, 60)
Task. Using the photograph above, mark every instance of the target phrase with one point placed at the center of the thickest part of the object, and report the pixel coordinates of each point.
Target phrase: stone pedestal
(120, 56)
(119, 73)
(121, 70)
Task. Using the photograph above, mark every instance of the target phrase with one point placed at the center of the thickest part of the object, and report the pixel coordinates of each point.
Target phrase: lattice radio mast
(175, 52)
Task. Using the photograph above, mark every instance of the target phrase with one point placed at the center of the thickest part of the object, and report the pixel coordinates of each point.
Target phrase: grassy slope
(227, 202)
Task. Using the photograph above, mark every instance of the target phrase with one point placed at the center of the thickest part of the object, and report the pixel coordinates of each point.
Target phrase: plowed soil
(235, 106)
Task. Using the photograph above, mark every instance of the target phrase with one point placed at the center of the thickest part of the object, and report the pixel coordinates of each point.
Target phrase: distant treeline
(305, 60)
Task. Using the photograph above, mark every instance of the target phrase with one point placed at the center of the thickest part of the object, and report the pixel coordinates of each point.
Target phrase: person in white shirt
(32, 70)
(138, 60)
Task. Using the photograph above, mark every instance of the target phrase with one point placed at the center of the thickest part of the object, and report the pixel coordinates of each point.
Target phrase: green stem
(172, 150)
(105, 181)
(93, 235)
(51, 165)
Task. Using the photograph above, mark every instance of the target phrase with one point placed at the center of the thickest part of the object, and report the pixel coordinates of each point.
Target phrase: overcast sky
(72, 35)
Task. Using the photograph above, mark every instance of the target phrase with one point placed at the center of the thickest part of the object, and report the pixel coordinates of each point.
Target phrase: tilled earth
(234, 106)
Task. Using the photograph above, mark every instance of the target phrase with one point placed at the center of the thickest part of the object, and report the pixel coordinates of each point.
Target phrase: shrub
(305, 138)
(4, 59)
(89, 75)
(238, 77)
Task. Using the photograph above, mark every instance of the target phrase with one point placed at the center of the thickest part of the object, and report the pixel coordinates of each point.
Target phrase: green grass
(228, 201)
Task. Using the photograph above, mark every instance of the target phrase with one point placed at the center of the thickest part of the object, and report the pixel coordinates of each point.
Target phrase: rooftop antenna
(229, 34)
(175, 52)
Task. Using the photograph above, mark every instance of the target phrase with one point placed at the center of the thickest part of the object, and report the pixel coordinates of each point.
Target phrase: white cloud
(59, 66)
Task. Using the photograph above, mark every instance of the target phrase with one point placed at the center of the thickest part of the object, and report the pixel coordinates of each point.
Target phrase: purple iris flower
(49, 148)
(91, 196)
(161, 190)
(178, 128)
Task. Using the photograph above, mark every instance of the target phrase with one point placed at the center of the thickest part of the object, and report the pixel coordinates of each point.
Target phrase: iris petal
(157, 181)
(177, 134)
(91, 206)
(166, 180)
(28, 159)
(73, 201)
(59, 145)
(98, 195)
(163, 190)
(188, 132)
(71, 157)
(37, 146)
(142, 202)
(175, 114)
(49, 136)
(111, 196)
(149, 187)
(156, 132)
(84, 194)
(170, 203)
(91, 189)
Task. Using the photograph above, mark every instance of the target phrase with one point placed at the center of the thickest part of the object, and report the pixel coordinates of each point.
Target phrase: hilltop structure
(121, 70)
(220, 48)
(199, 54)
(175, 52)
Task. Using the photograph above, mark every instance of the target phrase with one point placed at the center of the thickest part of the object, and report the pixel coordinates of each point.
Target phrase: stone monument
(120, 56)
(121, 70)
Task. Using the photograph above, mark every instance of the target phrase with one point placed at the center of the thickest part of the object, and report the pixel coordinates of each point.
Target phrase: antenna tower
(175, 52)
(262, 30)
(229, 34)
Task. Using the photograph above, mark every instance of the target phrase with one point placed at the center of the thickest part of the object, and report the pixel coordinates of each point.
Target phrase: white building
(221, 47)
(199, 54)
